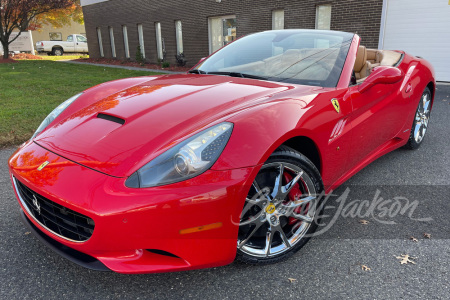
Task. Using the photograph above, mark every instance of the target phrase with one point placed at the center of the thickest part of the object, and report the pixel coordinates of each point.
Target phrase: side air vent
(111, 118)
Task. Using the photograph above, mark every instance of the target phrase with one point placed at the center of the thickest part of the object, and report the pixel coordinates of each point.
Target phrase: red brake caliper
(294, 194)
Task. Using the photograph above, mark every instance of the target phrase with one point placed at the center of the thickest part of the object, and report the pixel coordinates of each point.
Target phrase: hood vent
(111, 118)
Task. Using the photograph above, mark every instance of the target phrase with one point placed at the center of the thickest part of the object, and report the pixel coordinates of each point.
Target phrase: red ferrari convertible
(186, 171)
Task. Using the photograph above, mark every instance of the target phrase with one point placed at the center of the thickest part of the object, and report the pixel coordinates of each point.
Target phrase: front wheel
(278, 215)
(421, 120)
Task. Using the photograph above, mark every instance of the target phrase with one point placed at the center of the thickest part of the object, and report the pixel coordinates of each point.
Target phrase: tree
(59, 18)
(18, 15)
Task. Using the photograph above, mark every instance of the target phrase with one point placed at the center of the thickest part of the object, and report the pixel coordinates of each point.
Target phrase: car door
(81, 44)
(69, 46)
(377, 117)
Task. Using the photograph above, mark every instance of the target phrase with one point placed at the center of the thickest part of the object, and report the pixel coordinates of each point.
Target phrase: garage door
(421, 28)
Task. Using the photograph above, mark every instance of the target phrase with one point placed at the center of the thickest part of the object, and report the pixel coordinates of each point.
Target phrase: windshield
(309, 57)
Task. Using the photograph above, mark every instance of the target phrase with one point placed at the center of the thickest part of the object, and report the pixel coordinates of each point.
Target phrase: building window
(113, 44)
(179, 36)
(159, 41)
(125, 41)
(323, 17)
(55, 36)
(222, 31)
(100, 43)
(141, 39)
(278, 19)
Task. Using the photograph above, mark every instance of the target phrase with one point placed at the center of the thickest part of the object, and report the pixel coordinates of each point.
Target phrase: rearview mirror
(381, 75)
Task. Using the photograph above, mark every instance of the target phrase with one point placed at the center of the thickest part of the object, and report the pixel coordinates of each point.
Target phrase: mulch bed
(127, 63)
(13, 59)
(26, 56)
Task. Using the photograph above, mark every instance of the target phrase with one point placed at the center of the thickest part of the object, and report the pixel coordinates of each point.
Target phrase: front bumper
(69, 253)
(139, 230)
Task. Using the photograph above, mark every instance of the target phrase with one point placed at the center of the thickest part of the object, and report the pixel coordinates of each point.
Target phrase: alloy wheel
(422, 117)
(278, 211)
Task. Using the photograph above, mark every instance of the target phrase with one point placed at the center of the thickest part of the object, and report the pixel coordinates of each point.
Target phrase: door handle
(408, 88)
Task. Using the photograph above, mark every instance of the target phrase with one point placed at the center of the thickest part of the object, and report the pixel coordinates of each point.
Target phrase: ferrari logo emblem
(270, 208)
(36, 205)
(336, 106)
(43, 166)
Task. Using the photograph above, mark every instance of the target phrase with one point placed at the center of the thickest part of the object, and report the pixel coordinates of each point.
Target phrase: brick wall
(361, 16)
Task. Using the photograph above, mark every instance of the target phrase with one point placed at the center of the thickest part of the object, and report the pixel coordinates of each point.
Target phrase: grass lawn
(30, 90)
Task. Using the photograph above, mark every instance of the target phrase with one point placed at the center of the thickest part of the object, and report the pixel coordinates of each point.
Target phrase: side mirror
(381, 75)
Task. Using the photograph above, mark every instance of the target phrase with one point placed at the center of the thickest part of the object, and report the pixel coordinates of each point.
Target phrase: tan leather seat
(371, 56)
(361, 64)
(374, 58)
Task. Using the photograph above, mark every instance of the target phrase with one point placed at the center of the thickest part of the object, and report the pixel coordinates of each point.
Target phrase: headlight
(56, 112)
(186, 160)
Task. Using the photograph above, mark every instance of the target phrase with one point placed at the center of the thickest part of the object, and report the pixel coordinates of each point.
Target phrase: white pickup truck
(75, 43)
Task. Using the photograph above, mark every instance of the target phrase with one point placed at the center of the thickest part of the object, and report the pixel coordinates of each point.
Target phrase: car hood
(117, 127)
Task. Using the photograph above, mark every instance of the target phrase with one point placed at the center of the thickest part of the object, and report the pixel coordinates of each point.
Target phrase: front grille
(56, 218)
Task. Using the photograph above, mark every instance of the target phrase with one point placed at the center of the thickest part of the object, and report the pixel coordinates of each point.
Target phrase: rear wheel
(280, 208)
(421, 121)
(57, 51)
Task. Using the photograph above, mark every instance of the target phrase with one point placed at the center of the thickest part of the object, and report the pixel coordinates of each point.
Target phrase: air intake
(58, 219)
(111, 118)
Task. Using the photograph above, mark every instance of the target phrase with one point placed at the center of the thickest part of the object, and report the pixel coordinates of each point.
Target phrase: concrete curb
(120, 67)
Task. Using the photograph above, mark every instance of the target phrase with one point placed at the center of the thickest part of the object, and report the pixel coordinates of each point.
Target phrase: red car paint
(89, 160)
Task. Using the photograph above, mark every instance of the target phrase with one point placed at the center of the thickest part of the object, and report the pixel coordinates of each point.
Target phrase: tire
(57, 51)
(276, 221)
(421, 120)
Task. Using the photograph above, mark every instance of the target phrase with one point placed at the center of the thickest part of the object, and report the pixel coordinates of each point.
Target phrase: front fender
(258, 132)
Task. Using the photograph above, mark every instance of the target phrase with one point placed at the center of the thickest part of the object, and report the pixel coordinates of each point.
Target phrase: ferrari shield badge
(270, 208)
(43, 166)
(336, 106)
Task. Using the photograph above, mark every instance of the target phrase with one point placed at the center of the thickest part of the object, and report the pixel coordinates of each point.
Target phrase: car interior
(368, 59)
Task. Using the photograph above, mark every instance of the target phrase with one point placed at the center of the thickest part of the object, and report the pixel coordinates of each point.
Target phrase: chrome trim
(30, 214)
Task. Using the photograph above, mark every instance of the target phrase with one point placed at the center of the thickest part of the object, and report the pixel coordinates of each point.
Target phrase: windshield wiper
(237, 74)
(196, 71)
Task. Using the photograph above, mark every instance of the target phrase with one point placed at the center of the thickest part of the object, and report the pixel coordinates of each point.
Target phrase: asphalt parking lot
(328, 267)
